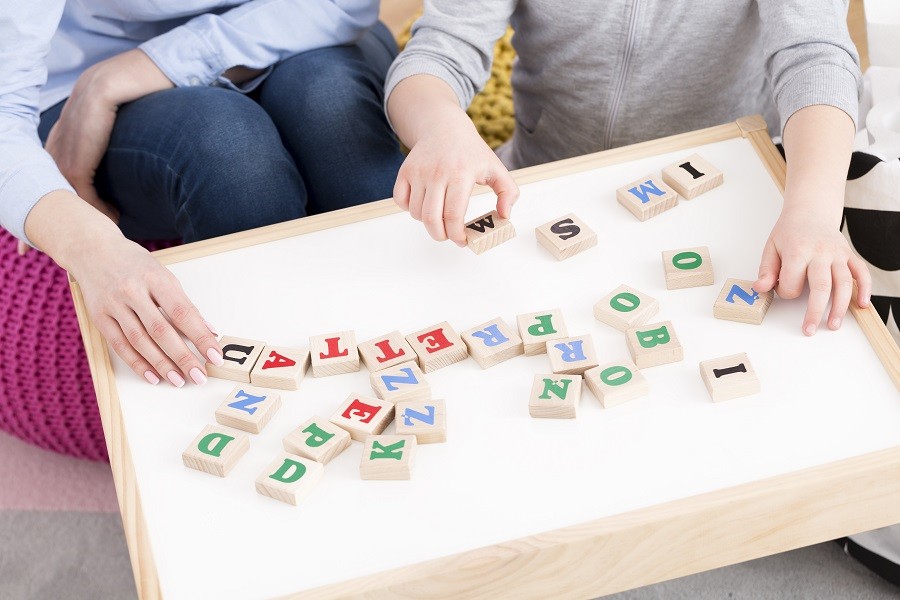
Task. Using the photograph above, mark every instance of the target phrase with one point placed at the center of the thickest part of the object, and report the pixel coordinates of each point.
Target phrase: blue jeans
(195, 163)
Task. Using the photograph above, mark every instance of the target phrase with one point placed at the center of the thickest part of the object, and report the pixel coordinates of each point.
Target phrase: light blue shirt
(46, 44)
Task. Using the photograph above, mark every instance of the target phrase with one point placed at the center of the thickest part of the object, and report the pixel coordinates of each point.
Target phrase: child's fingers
(455, 205)
(506, 189)
(769, 266)
(819, 274)
(416, 198)
(863, 278)
(842, 284)
(433, 211)
(401, 192)
(791, 278)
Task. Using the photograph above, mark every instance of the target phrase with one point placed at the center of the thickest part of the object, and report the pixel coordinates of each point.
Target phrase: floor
(61, 537)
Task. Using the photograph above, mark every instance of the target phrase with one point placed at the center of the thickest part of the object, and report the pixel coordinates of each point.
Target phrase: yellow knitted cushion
(492, 109)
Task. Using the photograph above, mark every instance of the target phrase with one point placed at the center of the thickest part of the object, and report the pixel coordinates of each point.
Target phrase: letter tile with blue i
(289, 478)
(424, 419)
(403, 382)
(739, 302)
(573, 355)
(493, 342)
(248, 408)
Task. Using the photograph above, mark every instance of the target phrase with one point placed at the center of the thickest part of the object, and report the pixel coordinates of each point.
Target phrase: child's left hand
(805, 245)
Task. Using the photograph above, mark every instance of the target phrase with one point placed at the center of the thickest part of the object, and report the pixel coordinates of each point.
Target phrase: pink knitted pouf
(46, 394)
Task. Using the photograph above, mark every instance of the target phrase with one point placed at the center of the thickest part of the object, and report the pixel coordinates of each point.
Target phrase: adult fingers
(863, 278)
(118, 338)
(167, 339)
(819, 275)
(22, 248)
(842, 290)
(185, 317)
(769, 267)
(433, 212)
(455, 205)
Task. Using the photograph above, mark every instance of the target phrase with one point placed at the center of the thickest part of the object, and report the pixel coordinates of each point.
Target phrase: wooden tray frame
(600, 557)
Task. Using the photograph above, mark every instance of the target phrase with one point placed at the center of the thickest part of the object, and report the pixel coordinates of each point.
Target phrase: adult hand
(80, 138)
(804, 246)
(137, 304)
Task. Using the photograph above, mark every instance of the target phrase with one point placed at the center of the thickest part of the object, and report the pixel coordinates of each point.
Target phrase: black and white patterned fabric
(872, 225)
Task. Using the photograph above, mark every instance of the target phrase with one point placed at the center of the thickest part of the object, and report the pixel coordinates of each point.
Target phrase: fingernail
(836, 322)
(197, 376)
(864, 302)
(809, 329)
(214, 357)
(151, 377)
(175, 379)
(460, 244)
(212, 328)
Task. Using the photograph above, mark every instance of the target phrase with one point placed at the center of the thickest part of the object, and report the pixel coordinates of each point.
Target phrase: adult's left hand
(80, 138)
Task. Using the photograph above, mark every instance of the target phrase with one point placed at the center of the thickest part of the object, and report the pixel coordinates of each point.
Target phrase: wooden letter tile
(692, 176)
(240, 357)
(334, 353)
(216, 450)
(424, 419)
(654, 344)
(488, 231)
(555, 396)
(566, 236)
(388, 457)
(572, 356)
(647, 197)
(386, 351)
(738, 301)
(402, 382)
(280, 368)
(625, 307)
(493, 342)
(289, 478)
(248, 408)
(362, 416)
(616, 382)
(437, 347)
(688, 267)
(729, 377)
(538, 328)
(318, 440)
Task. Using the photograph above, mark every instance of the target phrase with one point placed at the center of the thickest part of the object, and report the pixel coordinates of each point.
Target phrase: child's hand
(436, 179)
(805, 246)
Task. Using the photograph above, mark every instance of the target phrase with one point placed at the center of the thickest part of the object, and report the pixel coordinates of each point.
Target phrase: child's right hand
(447, 159)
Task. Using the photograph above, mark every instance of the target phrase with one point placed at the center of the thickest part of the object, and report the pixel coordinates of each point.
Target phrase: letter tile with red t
(334, 353)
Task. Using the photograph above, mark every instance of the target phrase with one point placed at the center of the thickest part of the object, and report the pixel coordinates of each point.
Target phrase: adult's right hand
(135, 302)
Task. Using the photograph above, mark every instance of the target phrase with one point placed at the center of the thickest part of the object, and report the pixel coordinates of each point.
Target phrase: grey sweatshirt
(592, 75)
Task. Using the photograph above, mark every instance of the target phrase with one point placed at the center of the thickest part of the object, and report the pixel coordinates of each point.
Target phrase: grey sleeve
(454, 41)
(810, 58)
